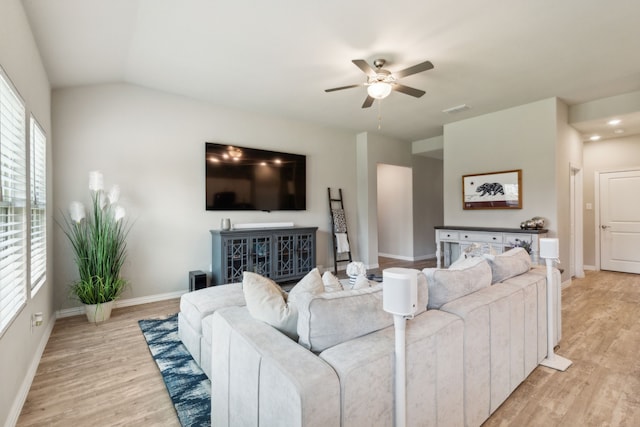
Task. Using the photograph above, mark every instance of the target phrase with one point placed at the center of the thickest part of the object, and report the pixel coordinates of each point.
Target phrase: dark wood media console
(282, 254)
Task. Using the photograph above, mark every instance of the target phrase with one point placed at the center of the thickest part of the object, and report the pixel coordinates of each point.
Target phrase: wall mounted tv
(240, 178)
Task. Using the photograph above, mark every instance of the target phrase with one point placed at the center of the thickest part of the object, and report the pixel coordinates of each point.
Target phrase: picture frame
(492, 190)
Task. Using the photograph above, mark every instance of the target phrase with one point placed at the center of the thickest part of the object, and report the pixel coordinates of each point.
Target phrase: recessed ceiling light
(594, 137)
(614, 122)
(619, 131)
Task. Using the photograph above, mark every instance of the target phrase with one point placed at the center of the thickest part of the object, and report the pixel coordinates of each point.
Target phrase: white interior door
(620, 221)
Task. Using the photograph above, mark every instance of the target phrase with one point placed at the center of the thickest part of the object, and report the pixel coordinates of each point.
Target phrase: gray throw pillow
(446, 285)
(512, 263)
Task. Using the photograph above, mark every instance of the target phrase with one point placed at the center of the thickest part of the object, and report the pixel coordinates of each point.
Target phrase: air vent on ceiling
(456, 109)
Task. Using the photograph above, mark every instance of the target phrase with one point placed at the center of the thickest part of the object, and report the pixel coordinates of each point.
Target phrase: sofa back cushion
(466, 277)
(330, 318)
(267, 301)
(512, 263)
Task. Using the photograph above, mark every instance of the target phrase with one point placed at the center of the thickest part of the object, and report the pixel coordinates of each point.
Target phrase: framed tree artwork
(493, 190)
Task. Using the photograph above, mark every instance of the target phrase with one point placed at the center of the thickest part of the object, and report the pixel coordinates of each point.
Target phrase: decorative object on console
(550, 251)
(225, 224)
(253, 225)
(494, 190)
(534, 223)
(400, 298)
(99, 246)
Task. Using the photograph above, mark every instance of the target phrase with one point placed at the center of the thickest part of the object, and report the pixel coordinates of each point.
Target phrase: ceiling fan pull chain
(379, 114)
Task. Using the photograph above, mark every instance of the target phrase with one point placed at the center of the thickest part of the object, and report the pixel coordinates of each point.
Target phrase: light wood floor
(105, 376)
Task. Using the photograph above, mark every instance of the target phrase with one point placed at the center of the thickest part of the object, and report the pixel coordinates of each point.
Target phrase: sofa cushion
(361, 282)
(509, 264)
(266, 302)
(331, 282)
(195, 306)
(328, 319)
(331, 318)
(446, 285)
(310, 283)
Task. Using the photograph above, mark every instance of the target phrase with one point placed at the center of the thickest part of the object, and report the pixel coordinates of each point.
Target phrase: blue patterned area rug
(188, 386)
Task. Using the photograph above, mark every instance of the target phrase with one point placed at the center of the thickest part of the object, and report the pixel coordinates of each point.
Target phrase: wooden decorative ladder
(338, 230)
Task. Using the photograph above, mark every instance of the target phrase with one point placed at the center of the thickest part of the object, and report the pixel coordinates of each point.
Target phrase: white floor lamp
(400, 298)
(550, 251)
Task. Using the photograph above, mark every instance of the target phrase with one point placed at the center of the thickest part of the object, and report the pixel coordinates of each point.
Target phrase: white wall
(427, 205)
(524, 138)
(535, 138)
(152, 145)
(601, 156)
(568, 154)
(395, 211)
(21, 347)
(373, 149)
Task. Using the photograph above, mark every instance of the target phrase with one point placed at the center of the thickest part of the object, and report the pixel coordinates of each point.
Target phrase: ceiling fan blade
(366, 68)
(427, 65)
(342, 87)
(408, 90)
(368, 102)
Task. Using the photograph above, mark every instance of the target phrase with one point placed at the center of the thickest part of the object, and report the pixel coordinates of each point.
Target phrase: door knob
(604, 227)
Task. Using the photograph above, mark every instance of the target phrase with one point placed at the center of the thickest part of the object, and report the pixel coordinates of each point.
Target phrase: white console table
(495, 239)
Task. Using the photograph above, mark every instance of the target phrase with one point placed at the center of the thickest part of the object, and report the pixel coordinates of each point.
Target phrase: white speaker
(400, 291)
(549, 248)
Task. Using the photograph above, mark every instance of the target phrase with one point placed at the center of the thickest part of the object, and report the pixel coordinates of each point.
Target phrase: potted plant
(99, 246)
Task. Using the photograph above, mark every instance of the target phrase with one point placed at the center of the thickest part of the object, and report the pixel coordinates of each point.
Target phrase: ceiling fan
(381, 82)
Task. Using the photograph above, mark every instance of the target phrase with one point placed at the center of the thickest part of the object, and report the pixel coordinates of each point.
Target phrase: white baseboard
(590, 267)
(21, 397)
(75, 311)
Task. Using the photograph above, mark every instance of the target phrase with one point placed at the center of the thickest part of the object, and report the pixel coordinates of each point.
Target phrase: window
(13, 194)
(38, 196)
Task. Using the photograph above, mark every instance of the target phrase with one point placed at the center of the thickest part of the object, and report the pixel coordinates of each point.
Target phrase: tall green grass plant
(99, 244)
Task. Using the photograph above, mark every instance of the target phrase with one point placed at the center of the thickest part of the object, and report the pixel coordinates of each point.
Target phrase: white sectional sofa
(476, 342)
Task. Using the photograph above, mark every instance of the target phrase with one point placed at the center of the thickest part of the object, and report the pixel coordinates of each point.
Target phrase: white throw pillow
(361, 282)
(331, 282)
(512, 263)
(311, 283)
(266, 302)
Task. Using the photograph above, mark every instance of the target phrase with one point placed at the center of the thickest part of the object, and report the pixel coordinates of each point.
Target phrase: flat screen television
(239, 178)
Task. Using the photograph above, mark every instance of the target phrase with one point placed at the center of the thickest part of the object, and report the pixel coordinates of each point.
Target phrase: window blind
(38, 195)
(13, 193)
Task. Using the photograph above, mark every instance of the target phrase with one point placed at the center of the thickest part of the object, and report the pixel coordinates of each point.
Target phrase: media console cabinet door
(280, 254)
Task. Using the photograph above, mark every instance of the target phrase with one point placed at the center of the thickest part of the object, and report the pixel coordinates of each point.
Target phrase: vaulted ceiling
(277, 57)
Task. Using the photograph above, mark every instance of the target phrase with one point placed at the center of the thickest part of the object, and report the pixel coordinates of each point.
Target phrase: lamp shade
(379, 90)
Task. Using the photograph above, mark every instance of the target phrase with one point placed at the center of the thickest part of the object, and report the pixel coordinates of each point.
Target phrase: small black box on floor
(197, 280)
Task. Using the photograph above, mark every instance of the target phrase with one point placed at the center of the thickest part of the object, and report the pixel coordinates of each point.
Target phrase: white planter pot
(97, 313)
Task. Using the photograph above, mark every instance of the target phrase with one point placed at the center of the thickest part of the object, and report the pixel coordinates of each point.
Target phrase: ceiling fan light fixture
(379, 90)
